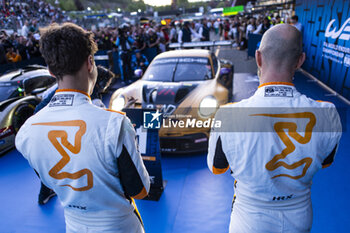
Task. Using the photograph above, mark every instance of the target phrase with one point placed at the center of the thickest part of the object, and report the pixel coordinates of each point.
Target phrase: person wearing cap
(139, 61)
(124, 44)
(152, 44)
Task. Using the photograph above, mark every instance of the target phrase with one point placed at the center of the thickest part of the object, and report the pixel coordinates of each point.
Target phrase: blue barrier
(326, 41)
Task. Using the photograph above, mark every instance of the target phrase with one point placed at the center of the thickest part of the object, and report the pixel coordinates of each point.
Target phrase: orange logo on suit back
(53, 136)
(290, 147)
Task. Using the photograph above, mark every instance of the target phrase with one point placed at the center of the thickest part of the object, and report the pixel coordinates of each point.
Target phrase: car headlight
(208, 106)
(118, 103)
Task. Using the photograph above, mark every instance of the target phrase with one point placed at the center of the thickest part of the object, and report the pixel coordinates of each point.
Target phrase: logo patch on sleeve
(62, 100)
(278, 91)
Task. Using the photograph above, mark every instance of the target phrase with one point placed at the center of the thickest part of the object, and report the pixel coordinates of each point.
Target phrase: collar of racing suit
(73, 90)
(277, 90)
(79, 96)
(276, 83)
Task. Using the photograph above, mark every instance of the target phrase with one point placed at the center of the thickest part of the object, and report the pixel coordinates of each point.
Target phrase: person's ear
(258, 58)
(301, 60)
(90, 63)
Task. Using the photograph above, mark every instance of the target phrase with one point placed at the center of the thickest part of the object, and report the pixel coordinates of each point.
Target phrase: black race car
(19, 94)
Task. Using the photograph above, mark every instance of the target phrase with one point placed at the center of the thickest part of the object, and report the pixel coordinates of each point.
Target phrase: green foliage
(221, 4)
(135, 5)
(182, 3)
(68, 5)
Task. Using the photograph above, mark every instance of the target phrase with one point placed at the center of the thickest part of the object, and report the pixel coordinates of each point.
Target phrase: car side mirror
(224, 76)
(138, 73)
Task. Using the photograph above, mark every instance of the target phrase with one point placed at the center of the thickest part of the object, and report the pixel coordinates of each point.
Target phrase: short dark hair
(295, 17)
(66, 47)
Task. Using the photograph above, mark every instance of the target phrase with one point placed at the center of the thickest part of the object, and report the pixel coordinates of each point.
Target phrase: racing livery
(19, 94)
(184, 85)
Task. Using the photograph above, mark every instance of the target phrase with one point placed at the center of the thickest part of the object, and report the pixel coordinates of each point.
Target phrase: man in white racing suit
(274, 142)
(86, 154)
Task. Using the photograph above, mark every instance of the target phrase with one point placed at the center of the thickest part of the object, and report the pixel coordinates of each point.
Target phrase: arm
(200, 33)
(217, 161)
(155, 43)
(257, 31)
(179, 37)
(334, 137)
(131, 41)
(146, 63)
(133, 62)
(132, 172)
(117, 43)
(143, 46)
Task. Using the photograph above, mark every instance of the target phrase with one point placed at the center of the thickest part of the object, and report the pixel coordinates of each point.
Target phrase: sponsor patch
(62, 100)
(278, 91)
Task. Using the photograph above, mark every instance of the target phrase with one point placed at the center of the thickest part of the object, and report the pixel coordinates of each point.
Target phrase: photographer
(124, 43)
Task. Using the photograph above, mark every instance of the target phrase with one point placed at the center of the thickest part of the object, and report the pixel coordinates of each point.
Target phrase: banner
(233, 10)
(326, 34)
(148, 141)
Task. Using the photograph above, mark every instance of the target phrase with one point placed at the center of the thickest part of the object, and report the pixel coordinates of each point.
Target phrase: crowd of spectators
(238, 28)
(14, 14)
(23, 19)
(147, 40)
(16, 47)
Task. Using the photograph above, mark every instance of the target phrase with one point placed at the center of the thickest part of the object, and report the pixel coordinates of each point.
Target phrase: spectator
(216, 26)
(2, 50)
(251, 27)
(173, 33)
(152, 44)
(12, 56)
(124, 43)
(263, 27)
(33, 46)
(140, 39)
(185, 34)
(25, 29)
(139, 61)
(278, 20)
(204, 31)
(295, 23)
(22, 48)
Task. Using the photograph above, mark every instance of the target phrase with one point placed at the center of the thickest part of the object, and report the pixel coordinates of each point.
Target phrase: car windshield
(179, 69)
(6, 91)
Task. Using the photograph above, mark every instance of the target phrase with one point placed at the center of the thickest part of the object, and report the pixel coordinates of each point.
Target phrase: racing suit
(273, 142)
(89, 157)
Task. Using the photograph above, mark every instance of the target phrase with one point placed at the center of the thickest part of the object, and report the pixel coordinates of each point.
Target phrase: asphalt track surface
(194, 200)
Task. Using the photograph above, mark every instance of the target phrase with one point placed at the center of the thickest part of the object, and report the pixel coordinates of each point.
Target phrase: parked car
(181, 84)
(19, 94)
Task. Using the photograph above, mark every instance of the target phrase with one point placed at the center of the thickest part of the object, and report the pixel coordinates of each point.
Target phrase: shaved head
(281, 47)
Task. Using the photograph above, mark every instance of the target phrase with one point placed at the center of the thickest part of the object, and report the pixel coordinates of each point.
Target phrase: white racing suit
(273, 142)
(89, 157)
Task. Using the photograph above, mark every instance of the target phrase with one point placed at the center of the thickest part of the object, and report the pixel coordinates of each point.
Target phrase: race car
(19, 94)
(184, 85)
